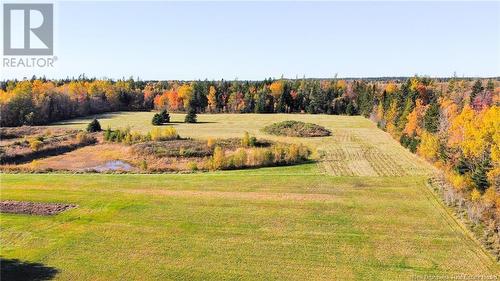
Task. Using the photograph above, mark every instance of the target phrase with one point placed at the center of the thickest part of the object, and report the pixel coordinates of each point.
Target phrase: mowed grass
(228, 225)
(305, 222)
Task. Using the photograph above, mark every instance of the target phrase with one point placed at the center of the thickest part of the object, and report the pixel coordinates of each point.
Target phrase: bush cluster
(293, 128)
(128, 137)
(163, 134)
(85, 138)
(173, 148)
(278, 154)
(248, 141)
(161, 118)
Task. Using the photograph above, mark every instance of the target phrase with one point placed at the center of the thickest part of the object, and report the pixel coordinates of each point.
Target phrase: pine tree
(476, 89)
(94, 126)
(462, 166)
(480, 175)
(191, 116)
(490, 86)
(431, 118)
(165, 117)
(157, 120)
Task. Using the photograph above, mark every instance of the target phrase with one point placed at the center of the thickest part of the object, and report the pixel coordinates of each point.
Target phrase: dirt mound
(33, 208)
(296, 129)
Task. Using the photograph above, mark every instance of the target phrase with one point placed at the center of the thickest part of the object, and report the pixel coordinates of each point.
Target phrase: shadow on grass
(86, 119)
(67, 123)
(16, 270)
(180, 122)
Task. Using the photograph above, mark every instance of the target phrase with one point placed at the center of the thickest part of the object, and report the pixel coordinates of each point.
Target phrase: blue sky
(255, 40)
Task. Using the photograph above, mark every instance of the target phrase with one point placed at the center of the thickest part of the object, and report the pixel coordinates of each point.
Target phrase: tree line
(40, 101)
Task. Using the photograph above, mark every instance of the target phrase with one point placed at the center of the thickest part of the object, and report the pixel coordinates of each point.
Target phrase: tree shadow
(198, 122)
(16, 270)
(87, 118)
(175, 123)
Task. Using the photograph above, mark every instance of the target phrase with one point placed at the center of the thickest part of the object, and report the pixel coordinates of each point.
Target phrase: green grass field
(363, 212)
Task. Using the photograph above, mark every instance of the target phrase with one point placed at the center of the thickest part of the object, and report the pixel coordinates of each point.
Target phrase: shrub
(85, 138)
(35, 144)
(247, 141)
(125, 136)
(252, 141)
(279, 154)
(296, 129)
(218, 159)
(107, 133)
(192, 166)
(162, 134)
(94, 126)
(144, 165)
(240, 158)
(293, 154)
(210, 142)
(35, 165)
(172, 148)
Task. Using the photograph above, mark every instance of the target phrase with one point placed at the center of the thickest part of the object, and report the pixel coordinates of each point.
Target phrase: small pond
(115, 165)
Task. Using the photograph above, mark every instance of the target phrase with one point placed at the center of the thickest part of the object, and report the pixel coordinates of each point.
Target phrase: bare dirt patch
(33, 208)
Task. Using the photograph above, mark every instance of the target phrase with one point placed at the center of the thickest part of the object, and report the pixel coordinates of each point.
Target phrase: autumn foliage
(456, 126)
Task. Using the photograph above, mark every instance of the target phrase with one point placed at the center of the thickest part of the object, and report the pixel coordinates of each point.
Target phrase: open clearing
(362, 213)
(355, 148)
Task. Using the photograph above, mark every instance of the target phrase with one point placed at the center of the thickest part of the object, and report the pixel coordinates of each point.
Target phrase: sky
(256, 40)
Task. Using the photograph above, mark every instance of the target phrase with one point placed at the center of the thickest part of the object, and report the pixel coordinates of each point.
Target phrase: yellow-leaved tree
(277, 89)
(390, 118)
(212, 98)
(477, 132)
(185, 93)
(413, 126)
(429, 146)
(391, 88)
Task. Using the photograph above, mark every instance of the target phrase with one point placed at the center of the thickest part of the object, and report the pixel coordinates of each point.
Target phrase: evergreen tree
(191, 116)
(165, 117)
(404, 116)
(351, 108)
(157, 120)
(161, 118)
(431, 118)
(94, 126)
(476, 89)
(490, 86)
(480, 175)
(462, 166)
